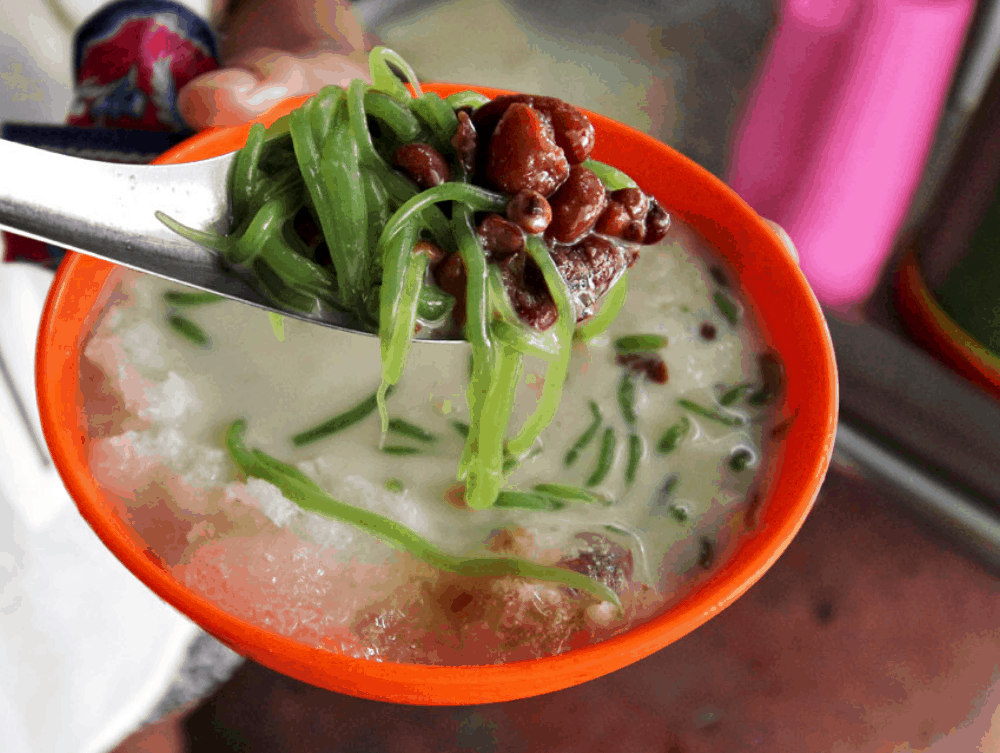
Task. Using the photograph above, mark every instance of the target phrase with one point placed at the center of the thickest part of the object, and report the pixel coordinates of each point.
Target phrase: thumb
(257, 81)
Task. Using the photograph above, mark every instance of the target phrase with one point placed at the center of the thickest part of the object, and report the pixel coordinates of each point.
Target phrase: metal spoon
(109, 210)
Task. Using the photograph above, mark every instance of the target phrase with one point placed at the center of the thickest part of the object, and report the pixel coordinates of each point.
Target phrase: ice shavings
(142, 343)
(267, 498)
(209, 467)
(107, 353)
(360, 492)
(345, 542)
(170, 401)
(127, 463)
(334, 475)
(127, 347)
(330, 534)
(120, 345)
(276, 580)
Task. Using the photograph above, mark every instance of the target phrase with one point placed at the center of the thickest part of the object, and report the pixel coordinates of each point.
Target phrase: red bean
(523, 154)
(605, 259)
(613, 220)
(635, 231)
(636, 203)
(573, 131)
(423, 164)
(451, 277)
(649, 364)
(465, 141)
(527, 291)
(500, 238)
(658, 373)
(625, 216)
(530, 210)
(719, 276)
(657, 223)
(588, 267)
(485, 118)
(576, 205)
(432, 251)
(603, 560)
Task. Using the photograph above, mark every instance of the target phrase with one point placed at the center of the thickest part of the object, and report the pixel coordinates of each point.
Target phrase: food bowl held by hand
(779, 300)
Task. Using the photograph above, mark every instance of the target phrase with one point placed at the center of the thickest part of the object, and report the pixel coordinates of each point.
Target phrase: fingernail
(784, 238)
(267, 94)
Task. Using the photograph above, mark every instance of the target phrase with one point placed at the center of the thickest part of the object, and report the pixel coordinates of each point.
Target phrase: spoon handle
(108, 210)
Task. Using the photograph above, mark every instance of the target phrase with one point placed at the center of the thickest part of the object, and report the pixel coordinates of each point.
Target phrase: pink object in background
(834, 136)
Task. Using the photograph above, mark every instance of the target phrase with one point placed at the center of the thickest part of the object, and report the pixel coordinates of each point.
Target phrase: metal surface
(928, 438)
(973, 524)
(109, 210)
(918, 408)
(970, 84)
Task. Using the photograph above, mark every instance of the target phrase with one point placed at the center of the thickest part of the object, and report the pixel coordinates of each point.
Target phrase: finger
(784, 238)
(311, 69)
(260, 79)
(216, 98)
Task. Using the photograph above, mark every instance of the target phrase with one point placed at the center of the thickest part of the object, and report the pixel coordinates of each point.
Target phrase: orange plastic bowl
(931, 326)
(779, 299)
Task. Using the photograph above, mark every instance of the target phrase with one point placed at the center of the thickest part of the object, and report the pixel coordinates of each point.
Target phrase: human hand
(309, 44)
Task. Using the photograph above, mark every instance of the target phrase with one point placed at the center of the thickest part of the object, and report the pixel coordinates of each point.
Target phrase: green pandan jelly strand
(298, 488)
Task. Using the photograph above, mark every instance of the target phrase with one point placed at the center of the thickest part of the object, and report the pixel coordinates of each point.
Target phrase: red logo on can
(131, 60)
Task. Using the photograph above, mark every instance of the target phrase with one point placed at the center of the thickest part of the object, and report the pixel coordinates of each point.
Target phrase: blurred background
(870, 131)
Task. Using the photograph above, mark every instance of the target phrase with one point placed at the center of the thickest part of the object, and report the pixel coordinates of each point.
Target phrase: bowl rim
(810, 403)
(931, 325)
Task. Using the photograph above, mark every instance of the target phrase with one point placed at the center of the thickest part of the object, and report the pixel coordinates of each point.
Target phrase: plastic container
(779, 299)
(834, 135)
(931, 326)
(946, 276)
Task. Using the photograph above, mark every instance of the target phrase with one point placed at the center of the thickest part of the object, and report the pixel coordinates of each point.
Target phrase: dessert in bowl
(719, 366)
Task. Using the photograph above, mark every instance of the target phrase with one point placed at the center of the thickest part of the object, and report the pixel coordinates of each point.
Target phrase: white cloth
(86, 650)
